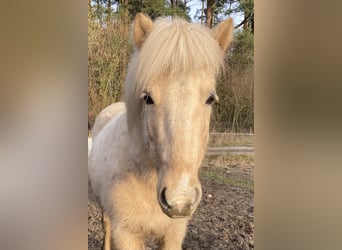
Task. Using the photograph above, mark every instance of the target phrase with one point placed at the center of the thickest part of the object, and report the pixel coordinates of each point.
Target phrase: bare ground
(224, 218)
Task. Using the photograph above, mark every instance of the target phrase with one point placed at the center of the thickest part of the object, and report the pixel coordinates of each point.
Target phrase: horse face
(176, 119)
(173, 70)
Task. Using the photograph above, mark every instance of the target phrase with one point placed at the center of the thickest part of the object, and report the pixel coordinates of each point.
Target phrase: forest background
(109, 50)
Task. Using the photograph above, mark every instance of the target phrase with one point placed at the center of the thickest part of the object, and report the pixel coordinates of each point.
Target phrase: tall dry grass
(235, 110)
(108, 52)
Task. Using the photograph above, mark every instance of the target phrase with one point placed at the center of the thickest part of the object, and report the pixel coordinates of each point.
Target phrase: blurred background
(44, 98)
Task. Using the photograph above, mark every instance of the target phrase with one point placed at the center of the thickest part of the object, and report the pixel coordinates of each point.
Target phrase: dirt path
(224, 218)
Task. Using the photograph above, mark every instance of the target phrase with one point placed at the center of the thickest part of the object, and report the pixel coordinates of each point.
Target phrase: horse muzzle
(182, 207)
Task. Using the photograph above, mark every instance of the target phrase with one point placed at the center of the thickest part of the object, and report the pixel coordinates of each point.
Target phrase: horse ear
(223, 33)
(142, 25)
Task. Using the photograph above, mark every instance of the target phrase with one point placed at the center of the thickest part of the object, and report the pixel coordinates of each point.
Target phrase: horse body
(145, 158)
(106, 115)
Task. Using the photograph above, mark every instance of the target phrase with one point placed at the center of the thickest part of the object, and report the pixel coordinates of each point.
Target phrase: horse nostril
(180, 209)
(163, 201)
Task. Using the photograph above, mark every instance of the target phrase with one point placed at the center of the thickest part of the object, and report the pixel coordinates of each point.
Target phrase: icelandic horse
(146, 153)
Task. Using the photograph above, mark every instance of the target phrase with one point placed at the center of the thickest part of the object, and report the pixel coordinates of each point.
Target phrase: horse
(105, 115)
(146, 154)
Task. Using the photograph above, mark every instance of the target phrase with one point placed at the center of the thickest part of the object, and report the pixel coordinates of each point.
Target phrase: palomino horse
(145, 158)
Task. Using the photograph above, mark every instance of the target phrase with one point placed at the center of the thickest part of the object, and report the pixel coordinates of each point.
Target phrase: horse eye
(148, 99)
(211, 99)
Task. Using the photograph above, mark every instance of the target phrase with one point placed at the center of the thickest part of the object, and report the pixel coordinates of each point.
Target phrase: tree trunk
(202, 11)
(125, 16)
(124, 26)
(98, 7)
(109, 12)
(245, 25)
(210, 13)
(173, 6)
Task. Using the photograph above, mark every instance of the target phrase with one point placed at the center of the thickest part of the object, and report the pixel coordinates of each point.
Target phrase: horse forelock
(174, 48)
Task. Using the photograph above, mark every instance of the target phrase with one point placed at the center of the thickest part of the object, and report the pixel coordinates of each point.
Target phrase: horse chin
(171, 214)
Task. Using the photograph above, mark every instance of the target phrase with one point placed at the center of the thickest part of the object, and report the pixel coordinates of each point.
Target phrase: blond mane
(173, 48)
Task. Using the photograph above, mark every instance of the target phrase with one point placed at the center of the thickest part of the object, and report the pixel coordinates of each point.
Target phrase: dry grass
(230, 139)
(108, 54)
(235, 109)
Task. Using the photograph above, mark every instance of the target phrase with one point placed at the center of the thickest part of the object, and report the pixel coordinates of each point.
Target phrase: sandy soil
(224, 218)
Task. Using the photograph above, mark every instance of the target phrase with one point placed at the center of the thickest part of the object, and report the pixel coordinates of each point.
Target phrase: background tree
(214, 11)
(246, 7)
(209, 13)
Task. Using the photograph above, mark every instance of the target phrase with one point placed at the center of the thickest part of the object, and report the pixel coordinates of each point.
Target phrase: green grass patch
(217, 177)
(229, 160)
